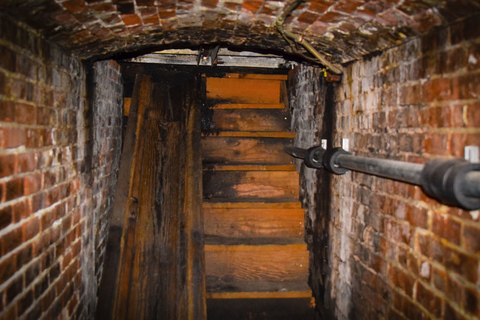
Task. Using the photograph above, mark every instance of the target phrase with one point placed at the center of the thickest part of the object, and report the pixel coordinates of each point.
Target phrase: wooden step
(245, 268)
(253, 223)
(248, 106)
(249, 167)
(250, 134)
(239, 150)
(243, 90)
(250, 184)
(266, 203)
(254, 76)
(261, 309)
(260, 295)
(251, 120)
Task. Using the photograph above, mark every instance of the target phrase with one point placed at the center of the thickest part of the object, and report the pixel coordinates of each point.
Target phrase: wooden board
(261, 309)
(249, 106)
(236, 90)
(109, 286)
(260, 295)
(256, 268)
(253, 223)
(250, 184)
(249, 167)
(209, 204)
(255, 76)
(250, 134)
(233, 150)
(251, 120)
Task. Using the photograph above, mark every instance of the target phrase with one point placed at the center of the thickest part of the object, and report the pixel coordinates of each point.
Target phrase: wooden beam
(249, 106)
(243, 90)
(108, 284)
(260, 295)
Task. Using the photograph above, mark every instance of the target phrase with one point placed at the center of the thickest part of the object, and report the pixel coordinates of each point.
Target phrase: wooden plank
(233, 150)
(252, 223)
(208, 204)
(251, 120)
(195, 280)
(256, 268)
(261, 309)
(248, 241)
(251, 134)
(250, 184)
(256, 76)
(260, 295)
(126, 106)
(109, 285)
(250, 167)
(243, 90)
(249, 106)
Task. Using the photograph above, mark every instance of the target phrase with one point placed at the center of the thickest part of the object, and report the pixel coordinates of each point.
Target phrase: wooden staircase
(255, 257)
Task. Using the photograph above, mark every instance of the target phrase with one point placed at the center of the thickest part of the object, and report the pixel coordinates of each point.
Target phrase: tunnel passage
(381, 249)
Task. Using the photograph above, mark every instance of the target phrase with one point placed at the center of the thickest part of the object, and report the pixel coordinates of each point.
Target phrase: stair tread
(212, 240)
(260, 294)
(249, 167)
(250, 134)
(251, 76)
(260, 203)
(248, 106)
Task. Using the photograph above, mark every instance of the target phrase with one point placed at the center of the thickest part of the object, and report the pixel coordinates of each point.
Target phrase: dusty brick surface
(56, 184)
(392, 251)
(344, 30)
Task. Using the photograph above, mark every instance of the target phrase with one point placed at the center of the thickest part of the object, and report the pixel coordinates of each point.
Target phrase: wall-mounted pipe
(453, 182)
(300, 40)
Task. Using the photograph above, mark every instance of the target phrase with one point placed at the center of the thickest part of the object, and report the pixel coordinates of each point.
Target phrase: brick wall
(393, 252)
(52, 196)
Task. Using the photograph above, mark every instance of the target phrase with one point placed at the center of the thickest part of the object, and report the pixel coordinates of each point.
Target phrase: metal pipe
(396, 170)
(471, 185)
(454, 182)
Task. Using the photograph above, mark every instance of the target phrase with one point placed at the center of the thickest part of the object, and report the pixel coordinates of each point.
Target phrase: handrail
(455, 182)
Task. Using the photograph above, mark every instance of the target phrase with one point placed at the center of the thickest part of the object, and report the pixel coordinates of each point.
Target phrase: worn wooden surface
(280, 204)
(255, 76)
(250, 184)
(248, 106)
(254, 223)
(245, 150)
(243, 90)
(249, 167)
(160, 266)
(256, 268)
(261, 309)
(108, 286)
(251, 120)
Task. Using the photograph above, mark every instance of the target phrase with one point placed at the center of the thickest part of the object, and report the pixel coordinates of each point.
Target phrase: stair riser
(251, 120)
(243, 90)
(256, 268)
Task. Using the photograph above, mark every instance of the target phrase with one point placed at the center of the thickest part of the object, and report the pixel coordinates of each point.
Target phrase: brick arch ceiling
(343, 30)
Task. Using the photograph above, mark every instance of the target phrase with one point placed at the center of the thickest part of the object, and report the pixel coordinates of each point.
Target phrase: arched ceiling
(343, 30)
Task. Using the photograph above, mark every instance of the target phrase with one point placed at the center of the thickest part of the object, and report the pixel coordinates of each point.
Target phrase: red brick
(26, 162)
(155, 20)
(14, 189)
(12, 137)
(5, 217)
(11, 240)
(31, 228)
(32, 183)
(8, 164)
(25, 255)
(438, 89)
(465, 87)
(430, 247)
(417, 217)
(452, 314)
(131, 19)
(8, 267)
(472, 301)
(464, 265)
(25, 114)
(21, 210)
(471, 239)
(14, 289)
(436, 143)
(445, 227)
(401, 280)
(429, 300)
